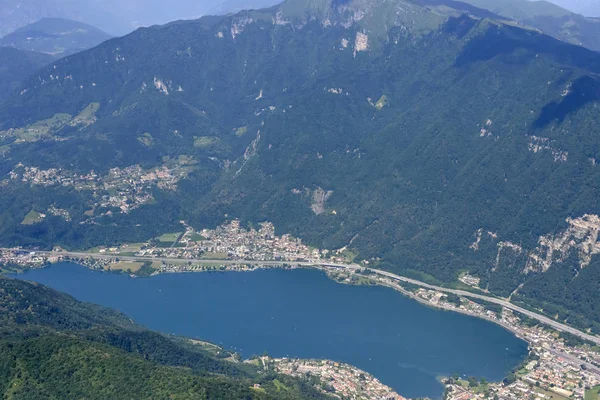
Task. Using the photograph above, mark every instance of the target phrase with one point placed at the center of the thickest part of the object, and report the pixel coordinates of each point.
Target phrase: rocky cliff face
(579, 239)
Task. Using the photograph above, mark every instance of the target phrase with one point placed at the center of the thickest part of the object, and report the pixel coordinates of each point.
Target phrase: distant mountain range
(405, 134)
(15, 14)
(549, 18)
(589, 8)
(234, 6)
(31, 47)
(120, 17)
(117, 17)
(55, 36)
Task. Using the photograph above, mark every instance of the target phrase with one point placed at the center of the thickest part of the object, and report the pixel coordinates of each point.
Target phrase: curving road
(352, 267)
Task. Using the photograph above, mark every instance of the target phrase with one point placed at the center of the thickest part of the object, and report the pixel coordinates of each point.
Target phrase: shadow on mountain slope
(583, 91)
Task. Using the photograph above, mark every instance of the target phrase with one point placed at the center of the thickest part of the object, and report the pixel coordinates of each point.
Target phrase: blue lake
(302, 313)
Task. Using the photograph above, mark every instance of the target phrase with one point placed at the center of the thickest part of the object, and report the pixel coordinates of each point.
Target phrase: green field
(86, 117)
(210, 347)
(214, 256)
(131, 248)
(196, 237)
(550, 394)
(382, 102)
(241, 131)
(204, 141)
(128, 266)
(482, 387)
(169, 237)
(37, 130)
(33, 217)
(593, 393)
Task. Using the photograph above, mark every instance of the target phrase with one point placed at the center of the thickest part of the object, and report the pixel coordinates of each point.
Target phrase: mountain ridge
(549, 18)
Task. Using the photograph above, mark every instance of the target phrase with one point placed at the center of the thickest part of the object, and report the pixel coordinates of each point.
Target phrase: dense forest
(17, 65)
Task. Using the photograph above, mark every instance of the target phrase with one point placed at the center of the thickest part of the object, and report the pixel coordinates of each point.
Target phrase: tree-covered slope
(427, 143)
(55, 36)
(53, 347)
(16, 65)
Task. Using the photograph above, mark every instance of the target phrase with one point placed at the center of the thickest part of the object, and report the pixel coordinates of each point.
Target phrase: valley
(269, 311)
(552, 357)
(397, 174)
(447, 150)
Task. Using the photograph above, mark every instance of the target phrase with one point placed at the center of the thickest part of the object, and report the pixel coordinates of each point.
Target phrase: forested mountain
(425, 141)
(54, 347)
(15, 14)
(55, 36)
(16, 65)
(547, 17)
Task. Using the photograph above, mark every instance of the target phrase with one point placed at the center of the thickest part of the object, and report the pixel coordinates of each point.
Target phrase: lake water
(302, 313)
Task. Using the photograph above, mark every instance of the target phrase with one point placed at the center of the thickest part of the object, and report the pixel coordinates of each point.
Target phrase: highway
(352, 267)
(200, 261)
(503, 302)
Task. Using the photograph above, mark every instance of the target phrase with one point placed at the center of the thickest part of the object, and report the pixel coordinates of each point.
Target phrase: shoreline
(543, 341)
(179, 265)
(328, 271)
(348, 380)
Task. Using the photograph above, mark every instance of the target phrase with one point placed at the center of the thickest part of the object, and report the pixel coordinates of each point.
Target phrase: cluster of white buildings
(346, 381)
(122, 188)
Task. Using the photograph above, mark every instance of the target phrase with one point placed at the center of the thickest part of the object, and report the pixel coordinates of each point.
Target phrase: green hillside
(53, 347)
(16, 65)
(445, 143)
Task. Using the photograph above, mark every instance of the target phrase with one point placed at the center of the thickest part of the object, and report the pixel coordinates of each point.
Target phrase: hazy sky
(590, 8)
(119, 17)
(116, 17)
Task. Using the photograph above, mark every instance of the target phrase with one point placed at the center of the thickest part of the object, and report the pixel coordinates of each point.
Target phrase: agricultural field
(593, 393)
(126, 266)
(169, 237)
(33, 217)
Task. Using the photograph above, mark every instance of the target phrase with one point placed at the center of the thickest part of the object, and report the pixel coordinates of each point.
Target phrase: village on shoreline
(558, 366)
